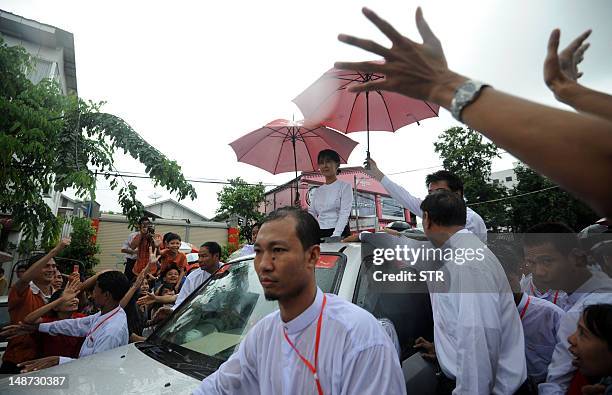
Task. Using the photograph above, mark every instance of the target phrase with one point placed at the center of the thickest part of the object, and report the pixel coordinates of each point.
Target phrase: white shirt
(192, 282)
(540, 322)
(355, 355)
(331, 205)
(126, 245)
(477, 333)
(597, 289)
(473, 221)
(102, 332)
(556, 297)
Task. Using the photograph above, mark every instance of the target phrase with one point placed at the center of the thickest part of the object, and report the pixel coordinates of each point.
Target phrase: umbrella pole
(297, 191)
(368, 128)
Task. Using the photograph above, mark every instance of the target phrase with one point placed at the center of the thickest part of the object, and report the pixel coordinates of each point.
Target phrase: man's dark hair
(21, 266)
(445, 208)
(331, 155)
(168, 237)
(559, 235)
(143, 219)
(1, 270)
(307, 228)
(213, 247)
(454, 182)
(114, 282)
(598, 319)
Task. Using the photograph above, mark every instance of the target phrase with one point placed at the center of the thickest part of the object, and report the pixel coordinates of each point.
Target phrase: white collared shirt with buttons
(356, 356)
(597, 289)
(477, 333)
(111, 333)
(473, 221)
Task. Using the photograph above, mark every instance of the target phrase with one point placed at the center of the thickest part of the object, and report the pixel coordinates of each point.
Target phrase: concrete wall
(114, 230)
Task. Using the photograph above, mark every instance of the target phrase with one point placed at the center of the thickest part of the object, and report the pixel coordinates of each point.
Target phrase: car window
(4, 315)
(214, 321)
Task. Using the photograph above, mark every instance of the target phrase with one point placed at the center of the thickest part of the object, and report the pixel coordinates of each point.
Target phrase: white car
(205, 330)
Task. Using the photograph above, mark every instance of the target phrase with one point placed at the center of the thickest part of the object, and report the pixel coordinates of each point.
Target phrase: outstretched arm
(70, 292)
(536, 134)
(35, 269)
(561, 76)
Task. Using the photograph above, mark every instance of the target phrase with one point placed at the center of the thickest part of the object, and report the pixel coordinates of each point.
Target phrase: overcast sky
(191, 77)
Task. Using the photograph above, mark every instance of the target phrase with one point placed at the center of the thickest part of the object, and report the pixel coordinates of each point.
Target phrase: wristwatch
(465, 95)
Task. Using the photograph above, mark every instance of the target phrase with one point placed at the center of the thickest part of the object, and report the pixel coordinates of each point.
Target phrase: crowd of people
(534, 316)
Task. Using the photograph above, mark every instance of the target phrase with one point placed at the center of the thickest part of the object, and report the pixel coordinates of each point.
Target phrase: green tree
(82, 248)
(49, 141)
(241, 199)
(552, 204)
(465, 153)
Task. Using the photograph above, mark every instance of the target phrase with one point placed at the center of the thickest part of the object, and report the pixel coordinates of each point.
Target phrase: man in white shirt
(209, 255)
(552, 250)
(540, 318)
(478, 335)
(102, 331)
(130, 256)
(440, 180)
(316, 343)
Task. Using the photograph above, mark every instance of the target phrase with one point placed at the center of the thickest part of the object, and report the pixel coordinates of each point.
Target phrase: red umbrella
(283, 146)
(329, 102)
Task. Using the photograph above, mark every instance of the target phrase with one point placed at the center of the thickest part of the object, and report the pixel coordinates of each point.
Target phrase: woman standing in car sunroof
(331, 202)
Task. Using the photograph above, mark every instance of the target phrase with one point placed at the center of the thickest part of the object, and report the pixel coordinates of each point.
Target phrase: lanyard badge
(313, 369)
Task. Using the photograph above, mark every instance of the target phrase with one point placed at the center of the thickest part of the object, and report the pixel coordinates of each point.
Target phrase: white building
(52, 50)
(171, 209)
(507, 178)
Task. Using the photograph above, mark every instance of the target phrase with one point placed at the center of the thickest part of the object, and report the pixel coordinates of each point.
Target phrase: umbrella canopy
(329, 102)
(283, 146)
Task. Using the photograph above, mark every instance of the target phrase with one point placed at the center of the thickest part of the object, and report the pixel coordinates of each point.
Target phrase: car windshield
(214, 320)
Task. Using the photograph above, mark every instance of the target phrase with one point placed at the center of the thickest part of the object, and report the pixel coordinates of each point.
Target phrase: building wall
(113, 231)
(170, 210)
(507, 178)
(46, 54)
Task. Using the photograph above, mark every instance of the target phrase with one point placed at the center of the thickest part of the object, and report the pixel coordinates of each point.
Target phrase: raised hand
(412, 69)
(147, 299)
(38, 364)
(72, 289)
(65, 242)
(372, 169)
(561, 69)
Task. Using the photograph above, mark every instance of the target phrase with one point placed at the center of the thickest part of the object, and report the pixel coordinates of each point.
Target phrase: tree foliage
(82, 247)
(465, 153)
(550, 205)
(49, 141)
(241, 199)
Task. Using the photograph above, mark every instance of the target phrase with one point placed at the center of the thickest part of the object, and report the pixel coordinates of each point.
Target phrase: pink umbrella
(283, 146)
(329, 102)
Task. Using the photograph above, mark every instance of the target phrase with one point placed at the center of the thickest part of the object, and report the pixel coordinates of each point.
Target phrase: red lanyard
(103, 321)
(313, 369)
(525, 308)
(556, 296)
(554, 299)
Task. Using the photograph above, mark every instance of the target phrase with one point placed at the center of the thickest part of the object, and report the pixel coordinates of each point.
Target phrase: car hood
(124, 370)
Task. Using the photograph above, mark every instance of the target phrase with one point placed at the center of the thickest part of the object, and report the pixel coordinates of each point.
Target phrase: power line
(201, 181)
(514, 196)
